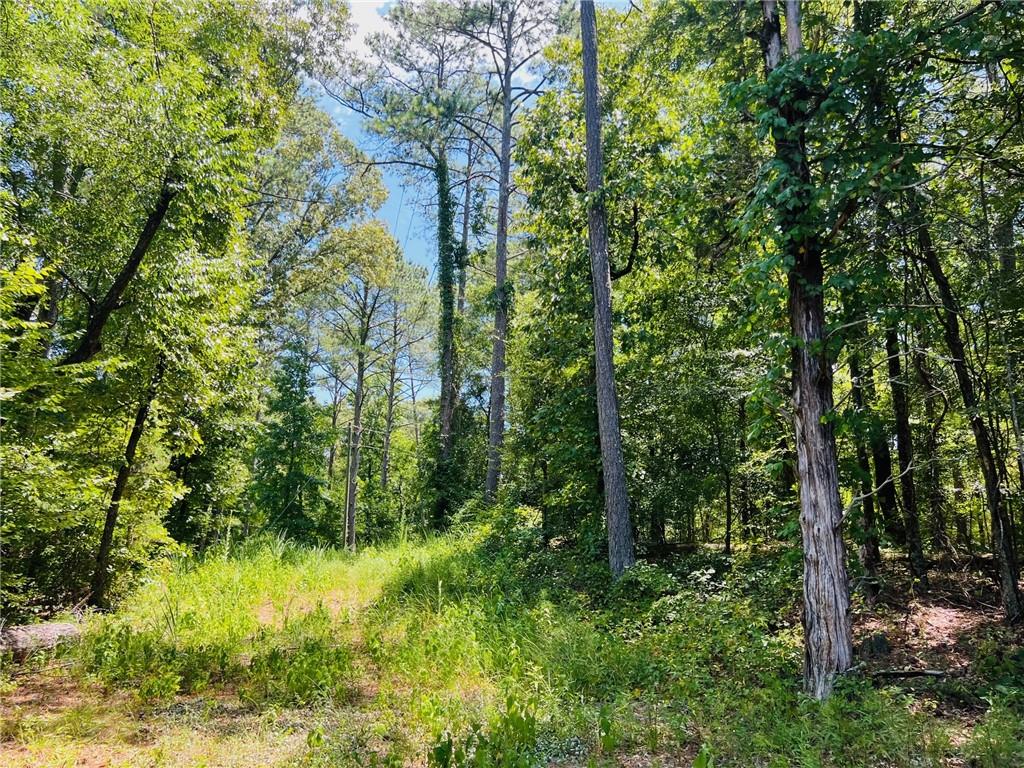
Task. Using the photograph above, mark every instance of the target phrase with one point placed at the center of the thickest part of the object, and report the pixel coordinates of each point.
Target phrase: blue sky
(403, 210)
(411, 228)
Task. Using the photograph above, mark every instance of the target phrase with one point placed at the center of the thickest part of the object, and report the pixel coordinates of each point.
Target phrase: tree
(353, 311)
(510, 33)
(288, 453)
(620, 529)
(312, 182)
(131, 137)
(828, 643)
(415, 92)
(407, 311)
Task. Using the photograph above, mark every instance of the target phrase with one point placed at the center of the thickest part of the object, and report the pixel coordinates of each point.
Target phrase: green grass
(486, 648)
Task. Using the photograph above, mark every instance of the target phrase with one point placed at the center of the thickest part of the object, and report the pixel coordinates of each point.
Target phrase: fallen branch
(910, 673)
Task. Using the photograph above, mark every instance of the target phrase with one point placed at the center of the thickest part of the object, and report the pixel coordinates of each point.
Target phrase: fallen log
(23, 640)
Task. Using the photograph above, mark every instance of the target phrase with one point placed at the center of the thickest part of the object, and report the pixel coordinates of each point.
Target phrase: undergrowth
(487, 648)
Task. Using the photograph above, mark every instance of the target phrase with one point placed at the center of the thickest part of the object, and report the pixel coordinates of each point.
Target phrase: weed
(487, 648)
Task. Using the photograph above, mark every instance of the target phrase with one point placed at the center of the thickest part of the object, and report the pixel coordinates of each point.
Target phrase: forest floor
(488, 642)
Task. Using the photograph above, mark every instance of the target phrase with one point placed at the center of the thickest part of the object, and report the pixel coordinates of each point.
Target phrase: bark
(355, 441)
(496, 411)
(828, 645)
(616, 498)
(1001, 524)
(869, 554)
(90, 344)
(101, 574)
(905, 454)
(21, 641)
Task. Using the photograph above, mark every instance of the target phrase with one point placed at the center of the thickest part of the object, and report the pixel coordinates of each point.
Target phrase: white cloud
(367, 18)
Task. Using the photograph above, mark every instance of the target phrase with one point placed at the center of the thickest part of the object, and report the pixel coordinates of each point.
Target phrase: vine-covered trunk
(446, 286)
(828, 644)
(616, 497)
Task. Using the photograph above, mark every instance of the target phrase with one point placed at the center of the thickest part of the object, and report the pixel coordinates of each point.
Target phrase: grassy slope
(281, 656)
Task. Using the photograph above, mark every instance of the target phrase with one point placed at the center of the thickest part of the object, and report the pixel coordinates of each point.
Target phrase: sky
(403, 213)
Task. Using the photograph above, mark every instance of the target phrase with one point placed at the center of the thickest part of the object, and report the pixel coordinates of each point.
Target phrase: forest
(512, 383)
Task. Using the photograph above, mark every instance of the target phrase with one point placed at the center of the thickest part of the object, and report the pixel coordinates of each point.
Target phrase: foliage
(485, 649)
(191, 254)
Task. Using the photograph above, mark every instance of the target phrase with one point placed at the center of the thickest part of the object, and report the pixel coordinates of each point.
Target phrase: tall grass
(485, 647)
(258, 618)
(492, 624)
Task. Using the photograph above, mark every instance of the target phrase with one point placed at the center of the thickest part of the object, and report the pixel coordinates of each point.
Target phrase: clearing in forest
(490, 644)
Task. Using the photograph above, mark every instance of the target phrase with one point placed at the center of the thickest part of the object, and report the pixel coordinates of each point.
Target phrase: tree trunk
(745, 501)
(389, 412)
(616, 498)
(869, 554)
(933, 472)
(657, 529)
(1002, 526)
(828, 644)
(415, 410)
(333, 449)
(446, 284)
(100, 312)
(881, 457)
(905, 454)
(961, 522)
(467, 202)
(101, 575)
(355, 440)
(728, 512)
(1004, 243)
(496, 412)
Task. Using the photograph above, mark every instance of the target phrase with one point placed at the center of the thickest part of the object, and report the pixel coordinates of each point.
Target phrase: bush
(998, 741)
